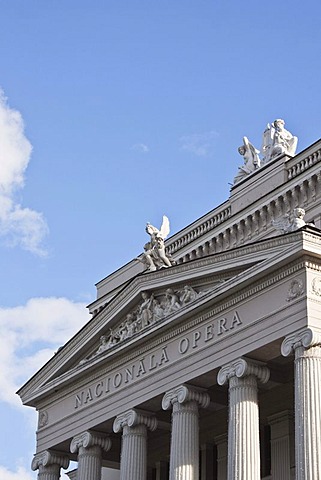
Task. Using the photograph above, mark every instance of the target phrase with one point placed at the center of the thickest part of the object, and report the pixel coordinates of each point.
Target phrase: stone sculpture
(251, 159)
(286, 224)
(150, 311)
(277, 140)
(154, 256)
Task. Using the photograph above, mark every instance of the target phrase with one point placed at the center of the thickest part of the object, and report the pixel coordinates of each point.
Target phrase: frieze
(151, 310)
(145, 365)
(43, 419)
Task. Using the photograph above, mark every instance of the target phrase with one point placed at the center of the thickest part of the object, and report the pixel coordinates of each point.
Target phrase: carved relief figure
(188, 295)
(154, 256)
(145, 312)
(251, 159)
(150, 311)
(172, 301)
(277, 140)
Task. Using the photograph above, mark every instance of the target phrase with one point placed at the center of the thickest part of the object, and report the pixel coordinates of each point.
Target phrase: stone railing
(257, 224)
(304, 164)
(211, 221)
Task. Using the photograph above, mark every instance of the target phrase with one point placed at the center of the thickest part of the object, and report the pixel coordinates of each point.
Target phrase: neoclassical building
(203, 360)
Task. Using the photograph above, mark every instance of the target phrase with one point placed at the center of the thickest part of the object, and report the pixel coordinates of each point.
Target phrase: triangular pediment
(153, 301)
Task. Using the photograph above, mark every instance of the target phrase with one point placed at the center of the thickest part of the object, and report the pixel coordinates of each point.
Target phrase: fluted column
(49, 464)
(243, 428)
(90, 446)
(133, 462)
(184, 456)
(306, 344)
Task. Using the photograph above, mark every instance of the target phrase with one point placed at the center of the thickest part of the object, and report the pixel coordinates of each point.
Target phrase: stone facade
(208, 369)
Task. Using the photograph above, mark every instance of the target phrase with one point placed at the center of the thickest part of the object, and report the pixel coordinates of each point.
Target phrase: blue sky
(114, 113)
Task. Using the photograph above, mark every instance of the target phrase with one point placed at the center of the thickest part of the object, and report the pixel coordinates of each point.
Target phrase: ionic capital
(132, 418)
(243, 368)
(304, 338)
(89, 439)
(185, 393)
(48, 458)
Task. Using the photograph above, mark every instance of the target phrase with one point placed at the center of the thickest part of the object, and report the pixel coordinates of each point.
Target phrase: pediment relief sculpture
(152, 309)
(276, 141)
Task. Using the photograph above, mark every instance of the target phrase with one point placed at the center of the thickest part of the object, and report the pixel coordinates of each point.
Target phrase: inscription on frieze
(171, 352)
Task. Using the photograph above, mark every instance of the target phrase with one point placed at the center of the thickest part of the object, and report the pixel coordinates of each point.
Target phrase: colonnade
(243, 449)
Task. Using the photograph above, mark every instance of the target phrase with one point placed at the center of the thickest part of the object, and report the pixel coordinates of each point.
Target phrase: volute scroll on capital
(185, 393)
(307, 337)
(132, 418)
(48, 458)
(89, 439)
(242, 368)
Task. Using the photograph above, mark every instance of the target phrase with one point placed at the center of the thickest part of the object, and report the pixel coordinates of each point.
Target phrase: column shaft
(243, 431)
(89, 463)
(133, 464)
(308, 413)
(50, 472)
(184, 459)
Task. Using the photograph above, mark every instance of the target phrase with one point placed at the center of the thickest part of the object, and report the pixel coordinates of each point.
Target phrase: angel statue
(251, 159)
(154, 256)
(277, 140)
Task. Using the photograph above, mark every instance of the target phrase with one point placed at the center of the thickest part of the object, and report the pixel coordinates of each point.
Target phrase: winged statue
(154, 256)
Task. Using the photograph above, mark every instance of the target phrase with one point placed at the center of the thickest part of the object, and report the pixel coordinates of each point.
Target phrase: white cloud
(18, 226)
(200, 144)
(30, 335)
(140, 147)
(20, 474)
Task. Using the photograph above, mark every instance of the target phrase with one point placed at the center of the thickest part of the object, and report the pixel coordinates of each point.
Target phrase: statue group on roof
(276, 141)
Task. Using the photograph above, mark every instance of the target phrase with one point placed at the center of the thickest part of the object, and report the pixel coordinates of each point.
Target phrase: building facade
(209, 369)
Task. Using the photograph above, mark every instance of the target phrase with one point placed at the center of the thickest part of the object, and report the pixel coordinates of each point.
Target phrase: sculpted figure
(145, 312)
(251, 159)
(172, 301)
(154, 256)
(158, 311)
(286, 225)
(188, 295)
(277, 140)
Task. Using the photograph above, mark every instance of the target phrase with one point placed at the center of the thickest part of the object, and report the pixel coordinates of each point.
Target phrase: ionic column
(49, 464)
(306, 345)
(184, 456)
(243, 426)
(133, 461)
(90, 446)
